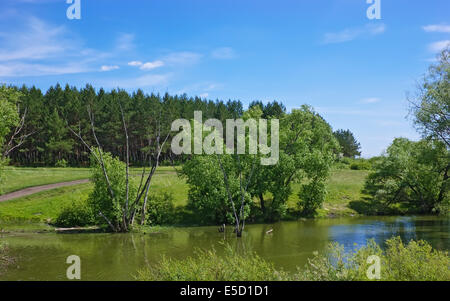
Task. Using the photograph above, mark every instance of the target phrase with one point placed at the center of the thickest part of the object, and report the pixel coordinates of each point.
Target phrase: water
(118, 256)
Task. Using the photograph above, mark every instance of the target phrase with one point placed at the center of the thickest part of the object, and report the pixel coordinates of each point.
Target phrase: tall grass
(415, 261)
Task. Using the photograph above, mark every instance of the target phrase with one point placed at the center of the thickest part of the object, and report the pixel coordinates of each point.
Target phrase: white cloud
(439, 46)
(223, 53)
(37, 48)
(135, 63)
(37, 40)
(109, 68)
(204, 95)
(350, 34)
(370, 100)
(152, 65)
(437, 28)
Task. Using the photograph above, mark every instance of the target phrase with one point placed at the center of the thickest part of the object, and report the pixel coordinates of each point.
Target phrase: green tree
(431, 104)
(109, 195)
(412, 174)
(349, 146)
(306, 155)
(9, 118)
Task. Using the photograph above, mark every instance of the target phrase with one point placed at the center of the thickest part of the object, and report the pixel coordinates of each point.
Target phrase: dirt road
(36, 189)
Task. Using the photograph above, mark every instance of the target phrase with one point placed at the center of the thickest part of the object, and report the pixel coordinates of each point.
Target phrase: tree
(431, 104)
(9, 118)
(113, 197)
(270, 110)
(412, 174)
(349, 146)
(305, 156)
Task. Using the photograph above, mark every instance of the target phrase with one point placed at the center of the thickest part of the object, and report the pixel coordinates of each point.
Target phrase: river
(42, 256)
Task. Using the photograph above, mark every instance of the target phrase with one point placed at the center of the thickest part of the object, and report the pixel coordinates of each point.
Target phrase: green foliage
(348, 146)
(210, 266)
(307, 149)
(78, 214)
(100, 198)
(416, 261)
(361, 164)
(61, 163)
(413, 174)
(270, 110)
(160, 209)
(311, 197)
(49, 112)
(431, 105)
(9, 118)
(207, 194)
(306, 156)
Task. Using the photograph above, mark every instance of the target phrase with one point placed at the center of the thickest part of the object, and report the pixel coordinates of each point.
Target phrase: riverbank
(344, 188)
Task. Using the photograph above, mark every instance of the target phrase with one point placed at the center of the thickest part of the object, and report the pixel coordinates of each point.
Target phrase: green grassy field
(16, 178)
(46, 205)
(344, 186)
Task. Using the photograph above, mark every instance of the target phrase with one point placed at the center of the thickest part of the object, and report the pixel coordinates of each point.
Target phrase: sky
(355, 71)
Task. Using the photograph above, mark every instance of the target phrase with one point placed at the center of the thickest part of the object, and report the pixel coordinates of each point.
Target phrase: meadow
(343, 186)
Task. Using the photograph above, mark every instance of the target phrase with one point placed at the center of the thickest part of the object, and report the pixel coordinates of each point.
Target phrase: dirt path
(36, 189)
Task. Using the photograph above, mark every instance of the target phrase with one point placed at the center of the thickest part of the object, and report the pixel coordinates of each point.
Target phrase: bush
(100, 198)
(413, 174)
(160, 209)
(209, 266)
(361, 164)
(77, 214)
(416, 261)
(61, 163)
(311, 197)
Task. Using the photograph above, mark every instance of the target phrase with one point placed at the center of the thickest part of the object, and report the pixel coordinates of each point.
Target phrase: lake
(104, 256)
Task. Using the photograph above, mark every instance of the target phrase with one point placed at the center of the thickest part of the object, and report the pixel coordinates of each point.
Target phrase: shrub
(361, 164)
(160, 209)
(311, 197)
(412, 173)
(416, 261)
(61, 163)
(100, 198)
(78, 214)
(209, 266)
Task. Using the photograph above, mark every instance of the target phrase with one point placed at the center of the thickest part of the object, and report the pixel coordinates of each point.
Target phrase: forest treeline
(50, 116)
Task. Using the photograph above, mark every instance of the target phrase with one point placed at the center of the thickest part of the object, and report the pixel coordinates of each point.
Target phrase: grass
(344, 186)
(43, 206)
(17, 178)
(46, 205)
(414, 261)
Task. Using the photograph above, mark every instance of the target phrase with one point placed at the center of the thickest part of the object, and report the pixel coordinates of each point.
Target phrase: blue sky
(327, 53)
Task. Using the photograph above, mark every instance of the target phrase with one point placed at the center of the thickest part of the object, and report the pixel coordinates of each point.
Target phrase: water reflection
(119, 256)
